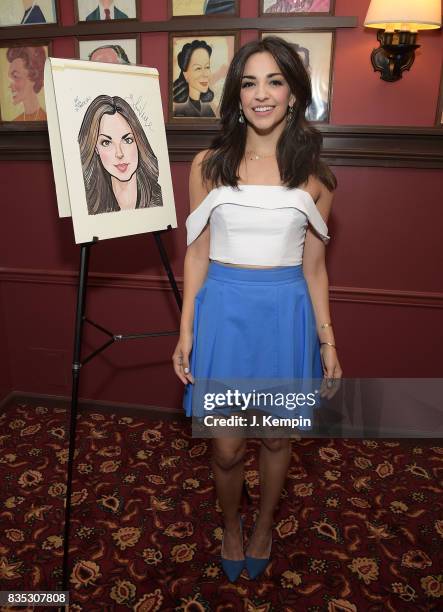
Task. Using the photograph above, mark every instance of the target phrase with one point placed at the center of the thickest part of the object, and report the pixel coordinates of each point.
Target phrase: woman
(26, 76)
(120, 169)
(191, 93)
(259, 185)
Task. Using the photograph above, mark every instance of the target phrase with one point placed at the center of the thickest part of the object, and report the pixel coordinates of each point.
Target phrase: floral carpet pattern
(359, 526)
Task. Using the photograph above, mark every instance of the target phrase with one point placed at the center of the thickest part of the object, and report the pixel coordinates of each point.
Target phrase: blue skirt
(252, 323)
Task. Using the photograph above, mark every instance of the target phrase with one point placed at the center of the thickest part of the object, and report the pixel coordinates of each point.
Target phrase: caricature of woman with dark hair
(191, 92)
(120, 169)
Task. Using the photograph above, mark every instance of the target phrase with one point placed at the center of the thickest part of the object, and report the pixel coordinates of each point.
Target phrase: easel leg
(76, 366)
(167, 266)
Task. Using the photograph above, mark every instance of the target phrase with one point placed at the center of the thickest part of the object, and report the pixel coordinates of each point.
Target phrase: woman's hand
(332, 371)
(180, 358)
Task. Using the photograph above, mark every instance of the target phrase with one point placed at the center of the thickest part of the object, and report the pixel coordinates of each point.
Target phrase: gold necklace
(252, 155)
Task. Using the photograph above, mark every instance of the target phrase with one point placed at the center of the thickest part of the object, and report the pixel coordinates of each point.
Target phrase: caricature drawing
(299, 6)
(110, 54)
(105, 11)
(26, 65)
(215, 7)
(33, 13)
(318, 109)
(120, 169)
(191, 92)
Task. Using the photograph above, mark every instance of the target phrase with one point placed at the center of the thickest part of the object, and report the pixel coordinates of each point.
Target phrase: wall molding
(393, 147)
(180, 24)
(360, 295)
(350, 145)
(88, 405)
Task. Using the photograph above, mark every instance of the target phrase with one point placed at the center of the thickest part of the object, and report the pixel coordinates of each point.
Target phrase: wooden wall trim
(85, 404)
(394, 147)
(181, 24)
(361, 295)
(342, 145)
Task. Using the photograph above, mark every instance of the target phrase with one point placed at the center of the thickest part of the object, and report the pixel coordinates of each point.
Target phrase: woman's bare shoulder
(198, 187)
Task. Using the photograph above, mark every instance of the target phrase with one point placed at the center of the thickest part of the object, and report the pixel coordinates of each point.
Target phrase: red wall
(5, 373)
(360, 97)
(385, 230)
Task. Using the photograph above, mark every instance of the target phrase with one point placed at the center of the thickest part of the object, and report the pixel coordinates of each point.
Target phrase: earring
(241, 118)
(290, 114)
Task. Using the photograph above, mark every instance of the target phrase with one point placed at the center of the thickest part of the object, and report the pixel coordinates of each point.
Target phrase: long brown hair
(299, 146)
(99, 194)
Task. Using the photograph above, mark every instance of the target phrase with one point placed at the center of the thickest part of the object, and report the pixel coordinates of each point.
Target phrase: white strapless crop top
(263, 225)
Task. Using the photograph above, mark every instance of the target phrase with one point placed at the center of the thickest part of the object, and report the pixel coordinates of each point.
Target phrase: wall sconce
(398, 22)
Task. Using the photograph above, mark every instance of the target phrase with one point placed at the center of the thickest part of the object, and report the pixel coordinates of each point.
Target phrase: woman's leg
(275, 457)
(228, 468)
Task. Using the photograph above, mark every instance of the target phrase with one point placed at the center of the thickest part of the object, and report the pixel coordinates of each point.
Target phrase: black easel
(77, 364)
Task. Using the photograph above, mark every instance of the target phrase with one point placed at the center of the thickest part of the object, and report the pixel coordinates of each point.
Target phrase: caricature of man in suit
(106, 10)
(33, 13)
(212, 7)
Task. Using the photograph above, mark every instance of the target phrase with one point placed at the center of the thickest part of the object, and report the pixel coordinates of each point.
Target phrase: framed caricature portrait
(22, 97)
(27, 12)
(124, 50)
(316, 52)
(198, 64)
(105, 10)
(208, 8)
(304, 7)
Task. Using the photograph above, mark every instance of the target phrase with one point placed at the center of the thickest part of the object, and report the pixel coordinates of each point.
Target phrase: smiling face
(21, 86)
(198, 73)
(265, 94)
(116, 147)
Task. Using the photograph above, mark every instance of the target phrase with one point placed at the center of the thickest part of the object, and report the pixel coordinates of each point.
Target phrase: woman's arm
(314, 270)
(195, 271)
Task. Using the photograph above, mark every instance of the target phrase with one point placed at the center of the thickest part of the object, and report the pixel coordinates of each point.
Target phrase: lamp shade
(410, 15)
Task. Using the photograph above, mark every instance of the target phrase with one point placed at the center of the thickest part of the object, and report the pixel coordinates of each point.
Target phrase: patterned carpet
(359, 526)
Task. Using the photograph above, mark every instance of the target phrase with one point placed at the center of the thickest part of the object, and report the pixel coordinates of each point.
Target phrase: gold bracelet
(328, 343)
(324, 325)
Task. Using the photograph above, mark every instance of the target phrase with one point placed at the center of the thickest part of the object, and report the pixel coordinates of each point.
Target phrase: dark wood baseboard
(89, 405)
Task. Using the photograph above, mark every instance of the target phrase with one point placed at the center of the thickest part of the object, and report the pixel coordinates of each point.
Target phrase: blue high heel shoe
(256, 565)
(232, 568)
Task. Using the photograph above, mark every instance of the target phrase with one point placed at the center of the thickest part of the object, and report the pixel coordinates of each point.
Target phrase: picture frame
(203, 8)
(109, 150)
(93, 10)
(28, 13)
(316, 48)
(22, 96)
(439, 113)
(116, 49)
(214, 55)
(299, 7)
